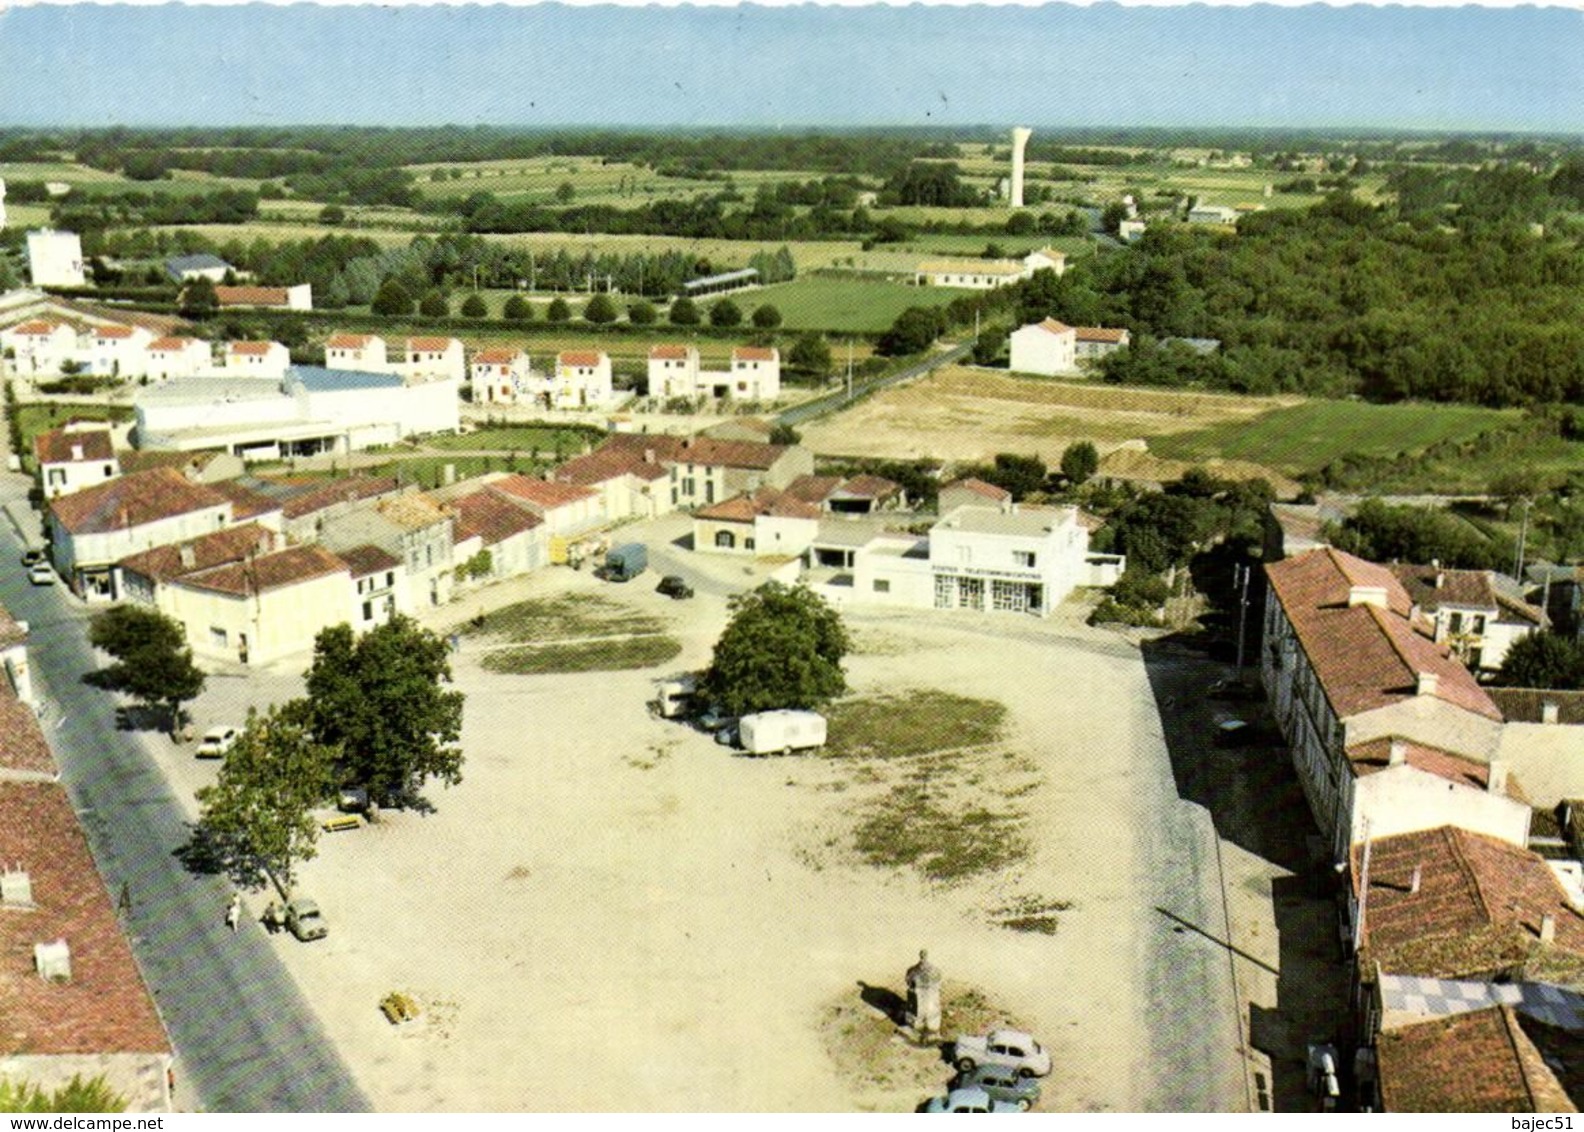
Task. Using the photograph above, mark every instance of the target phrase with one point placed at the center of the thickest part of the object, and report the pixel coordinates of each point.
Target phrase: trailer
(626, 562)
(781, 732)
(675, 698)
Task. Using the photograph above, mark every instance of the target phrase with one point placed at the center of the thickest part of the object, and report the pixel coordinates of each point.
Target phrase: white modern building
(435, 359)
(673, 371)
(39, 348)
(500, 376)
(116, 351)
(756, 373)
(583, 380)
(257, 359)
(174, 356)
(1047, 347)
(55, 259)
(362, 352)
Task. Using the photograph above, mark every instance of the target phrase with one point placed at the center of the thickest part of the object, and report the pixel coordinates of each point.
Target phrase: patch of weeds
(566, 616)
(909, 828)
(912, 723)
(658, 755)
(1031, 914)
(518, 872)
(584, 656)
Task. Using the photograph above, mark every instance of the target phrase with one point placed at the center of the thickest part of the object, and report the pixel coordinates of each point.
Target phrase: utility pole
(849, 369)
(1363, 900)
(1242, 615)
(1523, 534)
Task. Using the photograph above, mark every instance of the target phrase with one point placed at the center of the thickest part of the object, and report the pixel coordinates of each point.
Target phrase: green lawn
(519, 438)
(1305, 437)
(844, 306)
(589, 656)
(39, 418)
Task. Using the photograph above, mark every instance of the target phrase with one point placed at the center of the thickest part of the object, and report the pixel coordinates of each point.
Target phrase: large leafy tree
(380, 699)
(256, 817)
(199, 298)
(1080, 461)
(783, 648)
(152, 663)
(912, 332)
(1544, 660)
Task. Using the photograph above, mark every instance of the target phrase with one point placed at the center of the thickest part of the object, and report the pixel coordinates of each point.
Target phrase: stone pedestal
(924, 996)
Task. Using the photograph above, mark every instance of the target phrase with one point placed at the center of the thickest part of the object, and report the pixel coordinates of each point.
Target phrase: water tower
(1020, 137)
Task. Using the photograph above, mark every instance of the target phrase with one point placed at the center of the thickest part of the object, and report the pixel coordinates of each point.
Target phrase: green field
(1308, 436)
(525, 439)
(845, 306)
(41, 417)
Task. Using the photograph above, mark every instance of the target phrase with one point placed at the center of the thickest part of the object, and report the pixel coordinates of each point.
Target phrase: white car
(1011, 1048)
(216, 742)
(41, 574)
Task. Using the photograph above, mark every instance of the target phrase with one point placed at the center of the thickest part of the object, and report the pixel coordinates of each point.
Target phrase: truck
(780, 732)
(625, 562)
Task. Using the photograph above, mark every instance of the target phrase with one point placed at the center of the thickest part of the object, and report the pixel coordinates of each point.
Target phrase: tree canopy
(912, 332)
(725, 313)
(380, 700)
(783, 648)
(152, 664)
(1080, 461)
(600, 310)
(1544, 660)
(1382, 532)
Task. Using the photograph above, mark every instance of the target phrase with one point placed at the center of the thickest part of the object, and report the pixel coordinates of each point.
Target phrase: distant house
(500, 376)
(673, 371)
(860, 495)
(172, 356)
(976, 274)
(145, 577)
(765, 522)
(435, 359)
(117, 351)
(1130, 231)
(516, 539)
(756, 373)
(1091, 343)
(263, 609)
(1045, 259)
(414, 529)
(377, 576)
(1212, 214)
(1047, 348)
(633, 483)
(200, 265)
(257, 359)
(705, 470)
(55, 259)
(365, 352)
(1478, 613)
(583, 380)
(39, 347)
(567, 509)
(972, 492)
(298, 298)
(77, 455)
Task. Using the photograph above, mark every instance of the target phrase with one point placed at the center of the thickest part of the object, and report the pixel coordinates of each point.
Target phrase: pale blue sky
(543, 65)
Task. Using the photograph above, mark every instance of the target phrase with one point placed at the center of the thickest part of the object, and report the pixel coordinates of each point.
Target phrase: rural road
(809, 410)
(245, 1038)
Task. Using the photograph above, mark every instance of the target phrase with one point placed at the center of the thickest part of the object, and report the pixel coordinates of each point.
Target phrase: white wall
(55, 259)
(1404, 799)
(1035, 350)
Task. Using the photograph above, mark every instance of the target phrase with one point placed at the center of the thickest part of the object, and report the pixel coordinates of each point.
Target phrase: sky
(1439, 68)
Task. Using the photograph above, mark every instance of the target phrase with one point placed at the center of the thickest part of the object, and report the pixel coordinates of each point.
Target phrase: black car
(33, 557)
(674, 587)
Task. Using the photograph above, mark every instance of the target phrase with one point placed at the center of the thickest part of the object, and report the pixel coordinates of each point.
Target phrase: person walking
(234, 911)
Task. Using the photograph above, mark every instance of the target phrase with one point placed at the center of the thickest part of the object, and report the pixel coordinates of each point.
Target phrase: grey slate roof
(317, 379)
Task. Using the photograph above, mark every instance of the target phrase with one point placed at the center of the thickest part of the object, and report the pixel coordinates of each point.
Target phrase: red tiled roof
(1099, 334)
(245, 502)
(1527, 705)
(767, 501)
(755, 354)
(1374, 755)
(39, 328)
(113, 332)
(347, 490)
(496, 357)
(1477, 910)
(542, 493)
(1051, 326)
(813, 489)
(429, 345)
(170, 345)
(368, 559)
(259, 348)
(167, 563)
(289, 567)
(131, 460)
(348, 341)
(106, 1007)
(55, 446)
(870, 487)
(23, 749)
(989, 490)
(706, 450)
(670, 353)
(1481, 1061)
(604, 465)
(579, 358)
(132, 501)
(252, 296)
(1366, 657)
(492, 517)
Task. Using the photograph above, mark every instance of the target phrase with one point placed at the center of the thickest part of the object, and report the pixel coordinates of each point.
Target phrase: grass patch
(915, 723)
(585, 656)
(1304, 437)
(566, 617)
(909, 827)
(40, 417)
(526, 439)
(833, 303)
(1030, 914)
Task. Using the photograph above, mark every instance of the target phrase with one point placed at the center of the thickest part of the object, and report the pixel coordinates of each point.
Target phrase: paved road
(809, 410)
(245, 1038)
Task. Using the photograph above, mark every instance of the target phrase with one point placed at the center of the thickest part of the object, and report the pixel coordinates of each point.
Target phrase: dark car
(674, 587)
(1236, 690)
(1003, 1083)
(33, 556)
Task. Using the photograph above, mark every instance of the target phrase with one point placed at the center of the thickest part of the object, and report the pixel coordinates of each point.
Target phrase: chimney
(1440, 579)
(1367, 595)
(649, 455)
(16, 888)
(1398, 754)
(77, 451)
(1496, 777)
(53, 960)
(1418, 875)
(449, 474)
(1426, 684)
(1547, 928)
(1548, 711)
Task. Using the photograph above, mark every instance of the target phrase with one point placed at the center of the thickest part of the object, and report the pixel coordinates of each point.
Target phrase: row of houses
(1433, 795)
(75, 1003)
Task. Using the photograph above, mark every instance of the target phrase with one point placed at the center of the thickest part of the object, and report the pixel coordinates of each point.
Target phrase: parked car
(1003, 1083)
(713, 718)
(41, 574)
(33, 556)
(969, 1100)
(1011, 1048)
(217, 741)
(304, 920)
(1235, 689)
(674, 587)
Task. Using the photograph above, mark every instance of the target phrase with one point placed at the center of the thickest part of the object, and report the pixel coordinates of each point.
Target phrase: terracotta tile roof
(132, 501)
(368, 559)
(39, 328)
(542, 493)
(1477, 912)
(970, 267)
(106, 1007)
(1051, 326)
(989, 490)
(167, 563)
(604, 465)
(755, 354)
(413, 511)
(670, 353)
(767, 501)
(251, 348)
(55, 446)
(870, 487)
(590, 358)
(496, 357)
(1482, 1061)
(491, 516)
(252, 296)
(746, 424)
(1366, 657)
(318, 496)
(1099, 334)
(813, 489)
(113, 332)
(11, 631)
(1433, 587)
(289, 567)
(429, 345)
(170, 345)
(348, 341)
(187, 463)
(1527, 705)
(1374, 756)
(245, 502)
(24, 753)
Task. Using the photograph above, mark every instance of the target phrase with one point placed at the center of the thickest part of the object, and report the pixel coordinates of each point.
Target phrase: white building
(171, 357)
(1091, 343)
(976, 274)
(1212, 214)
(1130, 231)
(1047, 347)
(362, 352)
(500, 376)
(116, 351)
(673, 371)
(1479, 614)
(39, 348)
(1045, 259)
(756, 373)
(583, 380)
(55, 259)
(257, 359)
(435, 359)
(76, 456)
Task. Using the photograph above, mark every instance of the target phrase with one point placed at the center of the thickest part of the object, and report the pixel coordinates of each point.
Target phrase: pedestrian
(124, 905)
(272, 918)
(234, 911)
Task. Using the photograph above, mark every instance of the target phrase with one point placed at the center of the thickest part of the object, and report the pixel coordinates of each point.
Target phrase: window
(368, 611)
(57, 476)
(1455, 623)
(725, 540)
(217, 637)
(882, 585)
(390, 578)
(1024, 558)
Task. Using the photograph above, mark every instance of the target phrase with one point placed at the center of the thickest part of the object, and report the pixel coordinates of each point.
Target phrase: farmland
(844, 304)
